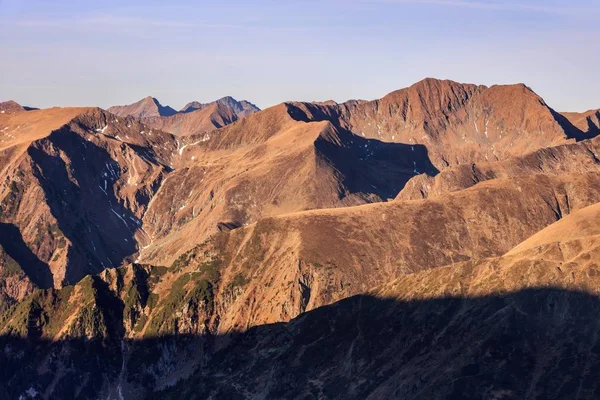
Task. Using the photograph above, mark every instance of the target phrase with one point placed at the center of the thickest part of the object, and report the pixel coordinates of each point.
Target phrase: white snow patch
(475, 125)
(121, 218)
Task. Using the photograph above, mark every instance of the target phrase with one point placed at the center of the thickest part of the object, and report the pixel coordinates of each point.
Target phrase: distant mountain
(194, 118)
(12, 106)
(203, 119)
(241, 108)
(147, 107)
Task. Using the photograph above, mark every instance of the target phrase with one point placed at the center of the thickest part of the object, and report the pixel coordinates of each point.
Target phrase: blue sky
(116, 52)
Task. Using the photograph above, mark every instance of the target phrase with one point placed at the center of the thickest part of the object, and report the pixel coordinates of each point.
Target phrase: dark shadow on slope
(367, 166)
(534, 343)
(572, 131)
(14, 245)
(163, 111)
(81, 199)
(372, 166)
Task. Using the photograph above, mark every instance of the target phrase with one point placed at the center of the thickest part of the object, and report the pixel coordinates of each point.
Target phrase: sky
(103, 53)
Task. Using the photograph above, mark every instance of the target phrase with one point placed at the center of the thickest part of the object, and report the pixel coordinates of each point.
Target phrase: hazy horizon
(107, 53)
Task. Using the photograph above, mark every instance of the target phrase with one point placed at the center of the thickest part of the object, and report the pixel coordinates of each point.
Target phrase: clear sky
(108, 52)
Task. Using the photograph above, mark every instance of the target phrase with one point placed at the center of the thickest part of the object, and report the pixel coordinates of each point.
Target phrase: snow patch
(121, 218)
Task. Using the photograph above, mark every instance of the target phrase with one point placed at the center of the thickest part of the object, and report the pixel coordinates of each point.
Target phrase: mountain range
(194, 118)
(439, 242)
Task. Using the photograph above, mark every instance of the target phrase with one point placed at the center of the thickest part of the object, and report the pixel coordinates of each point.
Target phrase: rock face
(437, 243)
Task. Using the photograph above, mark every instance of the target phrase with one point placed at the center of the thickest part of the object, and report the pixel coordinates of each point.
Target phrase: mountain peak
(11, 106)
(242, 108)
(149, 106)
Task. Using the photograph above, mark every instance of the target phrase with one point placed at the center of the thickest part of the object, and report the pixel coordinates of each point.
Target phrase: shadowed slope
(15, 247)
(77, 184)
(526, 344)
(588, 123)
(521, 325)
(580, 157)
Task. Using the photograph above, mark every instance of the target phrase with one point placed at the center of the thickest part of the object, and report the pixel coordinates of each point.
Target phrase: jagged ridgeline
(438, 242)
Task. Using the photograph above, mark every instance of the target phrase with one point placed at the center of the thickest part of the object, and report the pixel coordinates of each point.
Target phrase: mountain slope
(458, 123)
(289, 158)
(269, 164)
(147, 107)
(12, 106)
(577, 157)
(587, 122)
(202, 120)
(194, 118)
(519, 325)
(77, 183)
(241, 108)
